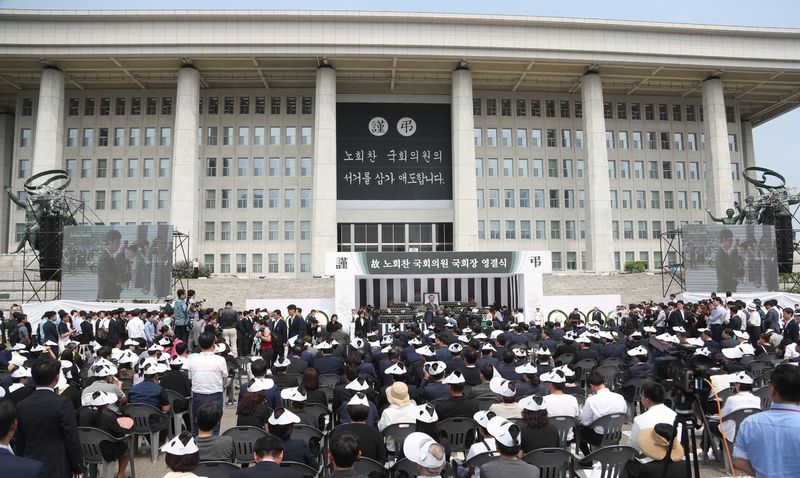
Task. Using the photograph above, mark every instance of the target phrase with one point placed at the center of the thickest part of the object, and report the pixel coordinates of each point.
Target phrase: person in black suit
(47, 429)
(110, 273)
(297, 325)
(678, 317)
(15, 466)
(268, 454)
(344, 452)
(280, 334)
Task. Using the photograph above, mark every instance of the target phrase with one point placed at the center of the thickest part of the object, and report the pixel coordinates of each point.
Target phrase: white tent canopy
(35, 310)
(784, 299)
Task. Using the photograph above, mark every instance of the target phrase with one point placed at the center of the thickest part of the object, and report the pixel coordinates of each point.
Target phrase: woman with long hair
(537, 432)
(310, 382)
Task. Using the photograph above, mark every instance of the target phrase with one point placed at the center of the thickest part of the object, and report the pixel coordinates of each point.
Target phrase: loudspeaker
(51, 245)
(784, 241)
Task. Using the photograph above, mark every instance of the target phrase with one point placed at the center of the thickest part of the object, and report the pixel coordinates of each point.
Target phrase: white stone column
(183, 212)
(48, 136)
(465, 209)
(748, 154)
(599, 241)
(719, 185)
(323, 215)
(6, 168)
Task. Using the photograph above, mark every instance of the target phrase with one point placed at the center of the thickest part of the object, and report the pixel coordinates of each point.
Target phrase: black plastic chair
(329, 380)
(90, 439)
(397, 433)
(460, 432)
(763, 379)
(310, 435)
(215, 469)
(737, 418)
(367, 466)
(243, 440)
(612, 428)
(319, 412)
(484, 403)
(328, 391)
(481, 459)
(612, 459)
(615, 361)
(636, 402)
(564, 425)
(564, 359)
(143, 424)
(763, 394)
(610, 375)
(404, 468)
(301, 468)
(758, 367)
(552, 462)
(177, 418)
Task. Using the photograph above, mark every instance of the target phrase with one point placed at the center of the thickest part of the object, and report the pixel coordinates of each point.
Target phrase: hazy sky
(774, 145)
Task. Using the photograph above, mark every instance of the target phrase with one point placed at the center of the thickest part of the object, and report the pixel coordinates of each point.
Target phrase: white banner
(35, 310)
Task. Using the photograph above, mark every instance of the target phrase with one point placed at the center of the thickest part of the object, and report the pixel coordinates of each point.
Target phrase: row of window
(257, 263)
(134, 136)
(540, 229)
(255, 198)
(99, 168)
(131, 199)
(638, 139)
(256, 231)
(620, 110)
(522, 198)
(277, 167)
(630, 256)
(152, 105)
(243, 137)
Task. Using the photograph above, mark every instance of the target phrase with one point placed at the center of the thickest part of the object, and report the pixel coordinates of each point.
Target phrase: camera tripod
(685, 418)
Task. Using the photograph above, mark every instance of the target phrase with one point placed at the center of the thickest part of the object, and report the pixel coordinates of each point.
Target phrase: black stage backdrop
(393, 151)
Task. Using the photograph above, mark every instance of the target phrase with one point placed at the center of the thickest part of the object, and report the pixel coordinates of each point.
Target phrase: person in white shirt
(484, 444)
(399, 410)
(558, 403)
(519, 316)
(209, 375)
(135, 328)
(601, 403)
(657, 412)
(742, 384)
(538, 317)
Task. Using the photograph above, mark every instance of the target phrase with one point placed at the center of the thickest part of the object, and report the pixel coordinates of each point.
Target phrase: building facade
(587, 138)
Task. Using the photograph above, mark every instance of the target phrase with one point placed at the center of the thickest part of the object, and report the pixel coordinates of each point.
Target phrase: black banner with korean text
(393, 151)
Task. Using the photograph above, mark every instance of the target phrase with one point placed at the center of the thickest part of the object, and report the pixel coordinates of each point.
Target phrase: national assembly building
(273, 138)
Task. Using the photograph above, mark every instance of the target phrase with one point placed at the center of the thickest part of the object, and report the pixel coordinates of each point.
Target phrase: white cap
(502, 387)
(324, 345)
(128, 357)
(568, 372)
(294, 394)
(480, 336)
(104, 370)
(98, 399)
(488, 348)
(543, 351)
(505, 432)
(483, 417)
(740, 334)
(454, 378)
(261, 384)
(426, 351)
(176, 447)
(740, 377)
(21, 372)
(703, 351)
(18, 346)
(667, 337)
(178, 360)
(527, 367)
(131, 342)
(416, 447)
(495, 333)
(533, 403)
(360, 398)
(638, 351)
(650, 329)
(425, 413)
(415, 341)
(466, 330)
(455, 347)
(694, 342)
(357, 342)
(282, 416)
(520, 352)
(282, 362)
(218, 348)
(463, 338)
(739, 351)
(396, 369)
(158, 348)
(435, 368)
(554, 376)
(18, 360)
(605, 335)
(359, 385)
(636, 333)
(50, 343)
(153, 368)
(679, 328)
(583, 339)
(165, 342)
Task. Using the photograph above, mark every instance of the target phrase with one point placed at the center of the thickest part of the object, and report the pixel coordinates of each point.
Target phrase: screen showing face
(721, 258)
(117, 262)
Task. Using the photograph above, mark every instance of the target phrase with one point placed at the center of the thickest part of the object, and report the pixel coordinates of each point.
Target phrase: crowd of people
(81, 369)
